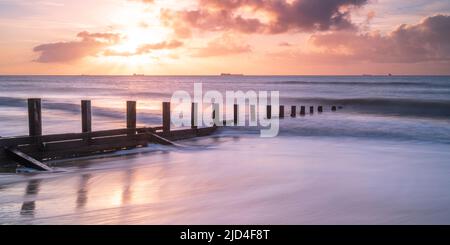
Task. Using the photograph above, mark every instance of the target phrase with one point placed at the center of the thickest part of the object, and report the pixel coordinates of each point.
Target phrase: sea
(382, 158)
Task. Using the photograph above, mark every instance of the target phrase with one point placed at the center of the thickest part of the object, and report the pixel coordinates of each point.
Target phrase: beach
(381, 159)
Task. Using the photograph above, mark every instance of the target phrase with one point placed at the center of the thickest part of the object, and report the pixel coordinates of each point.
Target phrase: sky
(209, 37)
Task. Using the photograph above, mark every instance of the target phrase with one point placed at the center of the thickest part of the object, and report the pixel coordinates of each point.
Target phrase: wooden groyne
(35, 148)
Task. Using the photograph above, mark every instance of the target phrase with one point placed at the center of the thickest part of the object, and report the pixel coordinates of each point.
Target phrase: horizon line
(232, 75)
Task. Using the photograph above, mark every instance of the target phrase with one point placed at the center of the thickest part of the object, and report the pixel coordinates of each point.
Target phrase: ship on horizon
(231, 74)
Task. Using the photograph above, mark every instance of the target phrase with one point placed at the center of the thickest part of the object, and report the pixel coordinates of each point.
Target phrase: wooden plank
(23, 140)
(160, 140)
(26, 160)
(34, 117)
(77, 148)
(98, 145)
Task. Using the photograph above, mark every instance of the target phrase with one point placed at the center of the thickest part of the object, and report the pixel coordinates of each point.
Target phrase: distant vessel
(138, 75)
(389, 75)
(230, 74)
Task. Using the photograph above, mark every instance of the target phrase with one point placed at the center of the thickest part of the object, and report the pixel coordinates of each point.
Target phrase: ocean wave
(75, 109)
(352, 127)
(364, 83)
(387, 106)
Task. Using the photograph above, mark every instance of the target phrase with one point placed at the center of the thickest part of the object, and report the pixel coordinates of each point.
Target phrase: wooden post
(34, 117)
(311, 109)
(194, 120)
(252, 113)
(333, 108)
(166, 116)
(235, 114)
(302, 110)
(131, 115)
(281, 111)
(86, 116)
(269, 112)
(216, 114)
(320, 109)
(293, 111)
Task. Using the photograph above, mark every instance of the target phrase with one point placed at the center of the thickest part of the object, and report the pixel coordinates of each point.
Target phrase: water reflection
(128, 186)
(29, 205)
(82, 194)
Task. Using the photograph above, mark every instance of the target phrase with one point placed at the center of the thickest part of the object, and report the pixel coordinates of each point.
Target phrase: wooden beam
(166, 116)
(302, 110)
(235, 114)
(269, 112)
(293, 111)
(131, 115)
(86, 116)
(26, 160)
(34, 117)
(320, 109)
(160, 140)
(24, 140)
(216, 114)
(194, 118)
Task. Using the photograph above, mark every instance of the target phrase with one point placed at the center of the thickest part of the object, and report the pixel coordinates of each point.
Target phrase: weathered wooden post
(236, 114)
(86, 116)
(215, 114)
(194, 119)
(131, 116)
(34, 117)
(281, 115)
(252, 113)
(333, 108)
(320, 109)
(311, 110)
(166, 116)
(302, 110)
(293, 111)
(269, 112)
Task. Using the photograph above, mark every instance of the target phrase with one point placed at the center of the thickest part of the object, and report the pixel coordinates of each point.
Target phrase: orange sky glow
(208, 37)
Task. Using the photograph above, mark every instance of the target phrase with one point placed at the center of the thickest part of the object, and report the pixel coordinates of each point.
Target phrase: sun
(137, 27)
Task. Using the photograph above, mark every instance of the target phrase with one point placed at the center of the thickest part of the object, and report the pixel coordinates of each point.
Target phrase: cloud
(266, 16)
(143, 1)
(90, 44)
(428, 40)
(162, 45)
(146, 48)
(284, 44)
(225, 45)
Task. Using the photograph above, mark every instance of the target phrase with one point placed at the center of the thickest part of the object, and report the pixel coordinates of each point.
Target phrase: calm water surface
(382, 159)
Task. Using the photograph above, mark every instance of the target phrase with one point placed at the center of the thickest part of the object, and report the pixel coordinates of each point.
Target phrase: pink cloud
(90, 44)
(428, 40)
(225, 45)
(296, 15)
